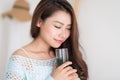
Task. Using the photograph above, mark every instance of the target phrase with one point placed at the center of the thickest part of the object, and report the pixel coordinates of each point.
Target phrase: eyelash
(60, 27)
(57, 27)
(68, 28)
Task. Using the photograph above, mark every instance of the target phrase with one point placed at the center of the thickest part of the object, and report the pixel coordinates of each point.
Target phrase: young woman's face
(55, 29)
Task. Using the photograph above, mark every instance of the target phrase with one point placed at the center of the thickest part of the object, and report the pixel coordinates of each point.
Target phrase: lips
(59, 41)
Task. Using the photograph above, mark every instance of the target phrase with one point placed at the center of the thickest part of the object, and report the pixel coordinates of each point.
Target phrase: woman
(53, 26)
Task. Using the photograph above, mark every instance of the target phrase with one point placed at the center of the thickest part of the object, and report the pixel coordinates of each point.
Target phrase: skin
(53, 32)
(55, 29)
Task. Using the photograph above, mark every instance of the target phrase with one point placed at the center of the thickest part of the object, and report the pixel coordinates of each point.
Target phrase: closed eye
(57, 27)
(68, 28)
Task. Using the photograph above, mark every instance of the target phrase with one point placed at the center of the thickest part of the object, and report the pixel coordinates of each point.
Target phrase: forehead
(61, 16)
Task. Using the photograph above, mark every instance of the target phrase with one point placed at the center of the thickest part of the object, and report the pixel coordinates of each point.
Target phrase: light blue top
(22, 68)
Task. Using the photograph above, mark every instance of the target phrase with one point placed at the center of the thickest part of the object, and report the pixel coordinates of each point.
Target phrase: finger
(66, 69)
(74, 76)
(72, 71)
(65, 64)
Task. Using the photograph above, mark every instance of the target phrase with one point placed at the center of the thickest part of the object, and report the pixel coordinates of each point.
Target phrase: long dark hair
(44, 10)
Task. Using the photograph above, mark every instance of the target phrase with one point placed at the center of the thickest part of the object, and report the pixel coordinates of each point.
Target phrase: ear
(39, 22)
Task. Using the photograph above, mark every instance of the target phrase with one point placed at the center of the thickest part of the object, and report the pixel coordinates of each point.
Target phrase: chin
(56, 46)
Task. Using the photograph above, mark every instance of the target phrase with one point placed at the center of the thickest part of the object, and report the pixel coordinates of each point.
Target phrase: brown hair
(44, 10)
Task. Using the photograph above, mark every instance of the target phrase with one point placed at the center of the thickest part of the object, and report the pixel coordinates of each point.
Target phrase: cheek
(68, 34)
(50, 31)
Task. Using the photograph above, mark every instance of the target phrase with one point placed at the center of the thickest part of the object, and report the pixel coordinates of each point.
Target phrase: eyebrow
(61, 23)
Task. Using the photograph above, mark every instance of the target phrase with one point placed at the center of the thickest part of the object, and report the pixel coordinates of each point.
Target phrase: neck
(38, 45)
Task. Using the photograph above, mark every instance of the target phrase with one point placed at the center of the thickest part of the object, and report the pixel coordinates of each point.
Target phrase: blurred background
(99, 26)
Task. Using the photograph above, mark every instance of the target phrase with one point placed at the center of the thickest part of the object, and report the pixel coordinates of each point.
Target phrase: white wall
(13, 34)
(99, 22)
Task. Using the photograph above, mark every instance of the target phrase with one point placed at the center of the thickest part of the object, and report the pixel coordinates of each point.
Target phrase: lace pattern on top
(27, 64)
(28, 61)
(14, 76)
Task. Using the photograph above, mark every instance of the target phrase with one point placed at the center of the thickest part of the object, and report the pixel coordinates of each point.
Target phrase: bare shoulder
(19, 52)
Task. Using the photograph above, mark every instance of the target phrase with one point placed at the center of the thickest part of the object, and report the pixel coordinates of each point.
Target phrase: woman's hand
(75, 76)
(65, 72)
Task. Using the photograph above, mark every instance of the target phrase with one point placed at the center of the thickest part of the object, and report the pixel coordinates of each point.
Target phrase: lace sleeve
(14, 70)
